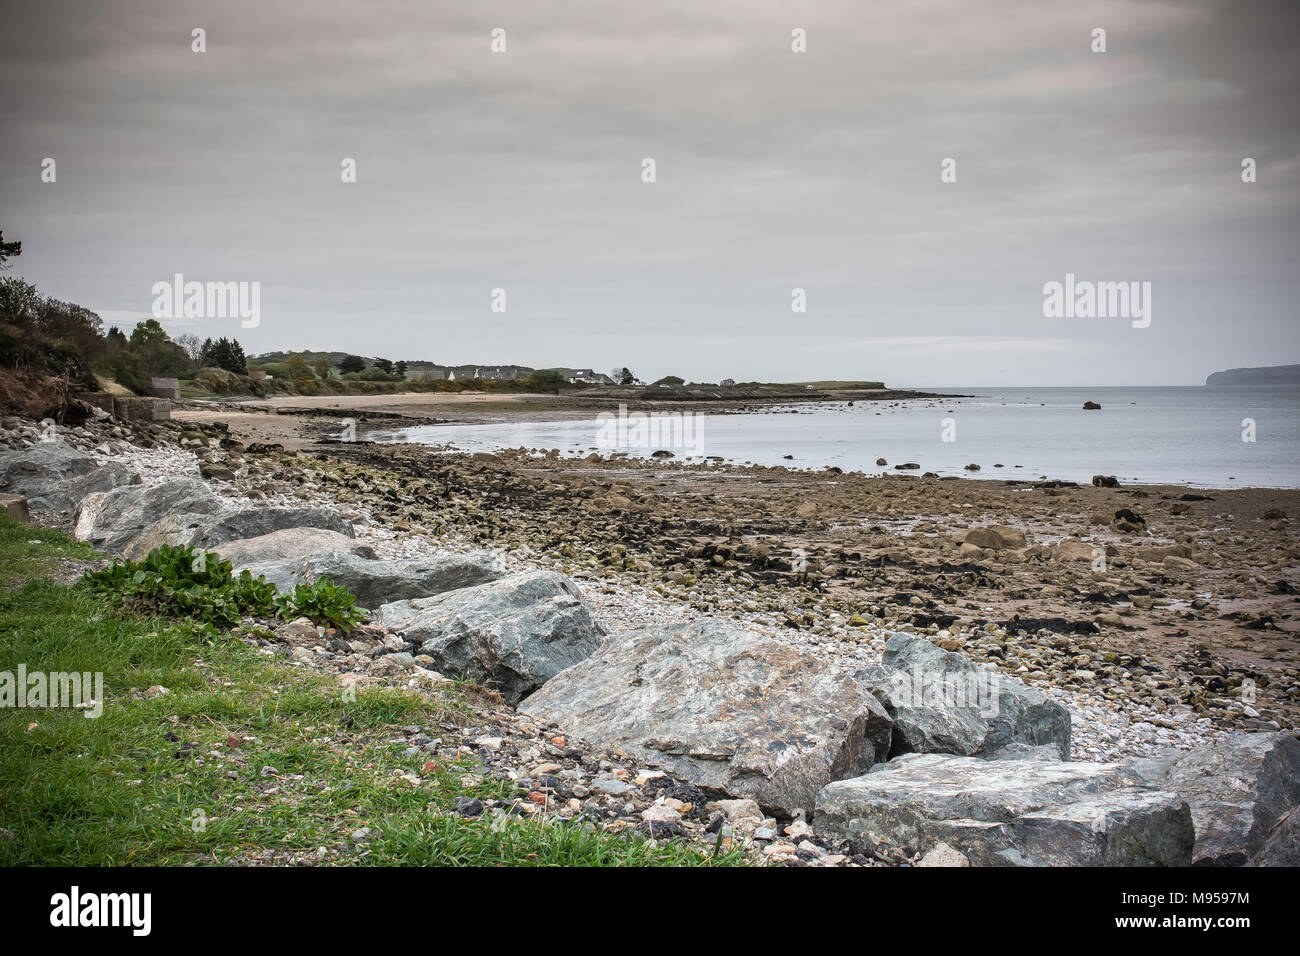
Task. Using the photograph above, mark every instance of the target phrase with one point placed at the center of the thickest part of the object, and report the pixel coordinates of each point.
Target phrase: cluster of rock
(1225, 807)
(926, 752)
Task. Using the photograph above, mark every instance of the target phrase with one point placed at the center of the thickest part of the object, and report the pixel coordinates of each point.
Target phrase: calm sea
(1186, 435)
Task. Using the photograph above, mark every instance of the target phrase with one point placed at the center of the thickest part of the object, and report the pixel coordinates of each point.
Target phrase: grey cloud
(775, 170)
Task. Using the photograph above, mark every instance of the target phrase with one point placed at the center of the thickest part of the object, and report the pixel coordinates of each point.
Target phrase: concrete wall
(165, 388)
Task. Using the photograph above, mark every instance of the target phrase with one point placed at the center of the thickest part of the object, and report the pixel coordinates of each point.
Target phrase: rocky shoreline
(791, 572)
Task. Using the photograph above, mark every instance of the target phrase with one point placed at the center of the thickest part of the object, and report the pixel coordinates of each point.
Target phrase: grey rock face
(1019, 751)
(289, 545)
(731, 711)
(1011, 812)
(1282, 843)
(383, 582)
(134, 520)
(1237, 791)
(512, 635)
(925, 722)
(110, 520)
(942, 703)
(230, 524)
(54, 476)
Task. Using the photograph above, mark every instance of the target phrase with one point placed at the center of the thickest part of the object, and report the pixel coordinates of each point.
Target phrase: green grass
(248, 759)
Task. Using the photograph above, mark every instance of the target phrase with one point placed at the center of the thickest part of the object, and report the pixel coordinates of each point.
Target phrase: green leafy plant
(323, 602)
(179, 581)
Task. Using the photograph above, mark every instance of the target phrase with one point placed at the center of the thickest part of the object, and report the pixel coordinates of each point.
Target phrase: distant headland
(1252, 377)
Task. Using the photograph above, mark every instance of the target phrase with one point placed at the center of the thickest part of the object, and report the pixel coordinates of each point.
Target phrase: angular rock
(941, 702)
(45, 463)
(382, 582)
(54, 476)
(1011, 812)
(928, 721)
(110, 520)
(288, 545)
(230, 523)
(732, 711)
(1282, 844)
(512, 635)
(1237, 791)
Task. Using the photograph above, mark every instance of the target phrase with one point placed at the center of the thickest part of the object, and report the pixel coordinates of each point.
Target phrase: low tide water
(1195, 436)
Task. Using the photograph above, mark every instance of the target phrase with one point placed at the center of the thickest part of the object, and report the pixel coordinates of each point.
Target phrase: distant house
(584, 376)
(258, 375)
(501, 373)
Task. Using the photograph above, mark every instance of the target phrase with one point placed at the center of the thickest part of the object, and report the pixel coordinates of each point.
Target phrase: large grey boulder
(941, 702)
(133, 521)
(375, 582)
(110, 520)
(512, 635)
(1237, 791)
(732, 711)
(54, 476)
(288, 545)
(1011, 812)
(230, 523)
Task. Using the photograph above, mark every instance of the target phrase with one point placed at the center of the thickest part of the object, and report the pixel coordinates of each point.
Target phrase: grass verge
(246, 758)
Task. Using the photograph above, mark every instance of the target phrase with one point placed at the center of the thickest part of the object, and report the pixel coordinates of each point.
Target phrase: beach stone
(214, 471)
(1237, 791)
(993, 537)
(944, 855)
(54, 476)
(729, 710)
(375, 582)
(737, 812)
(1010, 812)
(110, 520)
(230, 523)
(941, 702)
(1071, 550)
(511, 635)
(1128, 522)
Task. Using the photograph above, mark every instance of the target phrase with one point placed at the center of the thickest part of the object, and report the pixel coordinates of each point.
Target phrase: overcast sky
(775, 170)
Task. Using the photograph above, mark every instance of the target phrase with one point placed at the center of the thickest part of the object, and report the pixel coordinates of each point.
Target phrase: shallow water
(1173, 435)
